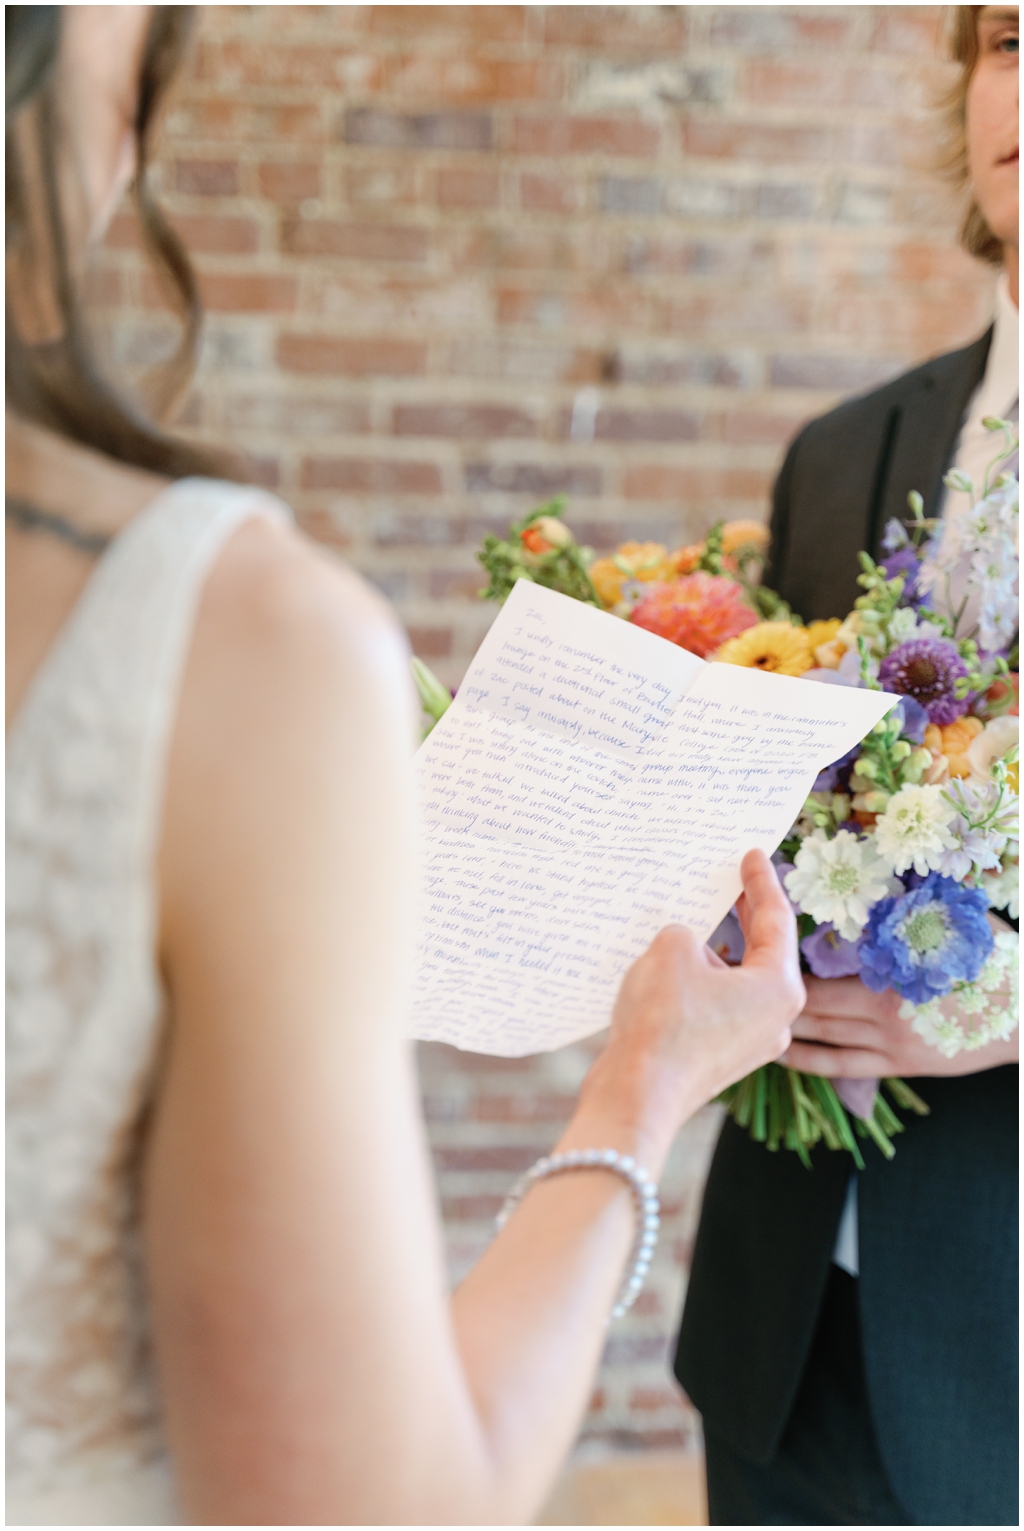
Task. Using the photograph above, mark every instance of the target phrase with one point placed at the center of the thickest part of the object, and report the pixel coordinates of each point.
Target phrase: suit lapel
(920, 439)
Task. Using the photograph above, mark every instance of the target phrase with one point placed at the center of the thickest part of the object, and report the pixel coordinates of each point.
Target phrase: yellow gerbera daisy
(775, 646)
(822, 632)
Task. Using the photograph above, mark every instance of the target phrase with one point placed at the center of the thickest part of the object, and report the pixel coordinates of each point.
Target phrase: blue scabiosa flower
(926, 940)
(927, 669)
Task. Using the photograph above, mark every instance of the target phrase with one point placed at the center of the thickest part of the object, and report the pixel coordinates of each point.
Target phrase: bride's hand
(685, 1025)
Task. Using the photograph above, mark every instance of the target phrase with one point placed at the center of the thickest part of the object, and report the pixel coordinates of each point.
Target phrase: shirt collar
(1001, 381)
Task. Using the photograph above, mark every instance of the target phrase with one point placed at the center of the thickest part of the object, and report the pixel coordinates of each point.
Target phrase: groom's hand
(847, 1032)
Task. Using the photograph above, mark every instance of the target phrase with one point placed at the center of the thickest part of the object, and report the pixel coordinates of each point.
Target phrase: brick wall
(458, 258)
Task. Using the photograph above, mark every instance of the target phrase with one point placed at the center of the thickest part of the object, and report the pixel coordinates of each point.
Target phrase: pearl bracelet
(645, 1203)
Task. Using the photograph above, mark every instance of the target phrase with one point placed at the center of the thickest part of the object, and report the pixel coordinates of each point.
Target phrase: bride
(226, 1290)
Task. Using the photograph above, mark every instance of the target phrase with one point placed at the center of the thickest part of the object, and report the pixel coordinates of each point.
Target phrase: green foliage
(435, 698)
(563, 568)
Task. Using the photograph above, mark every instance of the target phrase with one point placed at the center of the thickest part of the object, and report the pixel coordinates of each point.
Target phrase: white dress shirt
(996, 394)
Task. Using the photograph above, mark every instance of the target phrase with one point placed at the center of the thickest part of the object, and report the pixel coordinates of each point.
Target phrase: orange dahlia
(699, 612)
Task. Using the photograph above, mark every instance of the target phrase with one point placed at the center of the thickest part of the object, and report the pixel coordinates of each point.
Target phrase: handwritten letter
(590, 784)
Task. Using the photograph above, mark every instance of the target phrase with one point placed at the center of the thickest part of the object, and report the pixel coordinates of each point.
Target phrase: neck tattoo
(29, 518)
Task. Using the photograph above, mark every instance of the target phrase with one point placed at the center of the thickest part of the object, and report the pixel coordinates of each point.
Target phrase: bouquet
(904, 845)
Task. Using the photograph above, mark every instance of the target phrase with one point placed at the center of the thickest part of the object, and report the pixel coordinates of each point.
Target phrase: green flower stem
(779, 1106)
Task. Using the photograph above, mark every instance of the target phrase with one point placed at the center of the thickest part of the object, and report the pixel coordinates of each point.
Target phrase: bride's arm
(313, 1369)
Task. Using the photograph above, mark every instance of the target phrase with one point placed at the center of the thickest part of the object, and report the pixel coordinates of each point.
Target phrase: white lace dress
(86, 759)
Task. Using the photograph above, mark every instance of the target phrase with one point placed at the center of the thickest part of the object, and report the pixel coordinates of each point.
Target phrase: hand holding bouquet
(905, 845)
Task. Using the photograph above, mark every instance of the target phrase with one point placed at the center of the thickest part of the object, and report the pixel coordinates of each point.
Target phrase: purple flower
(927, 670)
(903, 561)
(828, 955)
(925, 940)
(727, 941)
(828, 780)
(913, 719)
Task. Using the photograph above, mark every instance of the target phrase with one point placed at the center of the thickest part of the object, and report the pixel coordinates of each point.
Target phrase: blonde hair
(962, 41)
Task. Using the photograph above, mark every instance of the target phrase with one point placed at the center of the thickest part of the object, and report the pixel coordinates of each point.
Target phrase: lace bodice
(86, 759)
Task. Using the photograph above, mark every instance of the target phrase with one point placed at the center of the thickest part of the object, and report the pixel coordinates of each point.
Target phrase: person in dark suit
(851, 1341)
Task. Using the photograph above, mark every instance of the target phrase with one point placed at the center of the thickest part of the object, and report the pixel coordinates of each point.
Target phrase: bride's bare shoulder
(290, 643)
(272, 583)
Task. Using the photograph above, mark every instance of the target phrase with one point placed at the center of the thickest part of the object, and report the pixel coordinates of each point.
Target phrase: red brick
(717, 138)
(360, 475)
(286, 181)
(248, 292)
(259, 468)
(525, 1108)
(525, 360)
(619, 309)
(436, 643)
(808, 84)
(729, 256)
(745, 312)
(527, 246)
(664, 482)
(539, 479)
(383, 357)
(513, 1158)
(354, 241)
(849, 374)
(228, 120)
(551, 193)
(749, 427)
(467, 78)
(229, 64)
(462, 422)
(429, 130)
(289, 414)
(495, 23)
(322, 527)
(206, 178)
(202, 233)
(386, 182)
(468, 188)
(395, 529)
(209, 234)
(628, 136)
(607, 27)
(455, 584)
(644, 425)
(777, 28)
(650, 1398)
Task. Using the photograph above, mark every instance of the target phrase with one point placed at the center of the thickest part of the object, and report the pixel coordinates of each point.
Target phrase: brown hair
(974, 234)
(57, 383)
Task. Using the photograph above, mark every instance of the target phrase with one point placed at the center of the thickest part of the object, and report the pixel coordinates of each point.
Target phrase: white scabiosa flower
(838, 880)
(914, 830)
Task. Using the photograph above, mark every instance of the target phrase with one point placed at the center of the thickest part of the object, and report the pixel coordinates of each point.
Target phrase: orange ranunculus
(545, 535)
(685, 560)
(645, 561)
(956, 741)
(740, 534)
(699, 612)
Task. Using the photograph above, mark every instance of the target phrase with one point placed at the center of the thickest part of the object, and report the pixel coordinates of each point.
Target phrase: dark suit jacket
(938, 1224)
